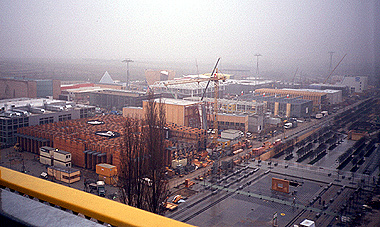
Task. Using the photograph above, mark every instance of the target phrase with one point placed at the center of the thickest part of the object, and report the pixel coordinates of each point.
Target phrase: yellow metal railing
(90, 205)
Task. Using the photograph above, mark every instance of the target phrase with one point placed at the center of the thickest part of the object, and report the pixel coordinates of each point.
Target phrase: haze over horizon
(288, 34)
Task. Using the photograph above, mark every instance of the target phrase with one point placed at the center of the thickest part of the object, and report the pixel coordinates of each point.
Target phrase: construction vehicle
(171, 206)
(177, 198)
(288, 125)
(318, 116)
(101, 188)
(17, 147)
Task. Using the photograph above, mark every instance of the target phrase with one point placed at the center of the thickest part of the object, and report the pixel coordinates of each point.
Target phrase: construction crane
(215, 77)
(295, 74)
(324, 82)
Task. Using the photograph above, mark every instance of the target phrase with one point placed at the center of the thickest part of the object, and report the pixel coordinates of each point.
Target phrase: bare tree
(142, 181)
(131, 170)
(154, 135)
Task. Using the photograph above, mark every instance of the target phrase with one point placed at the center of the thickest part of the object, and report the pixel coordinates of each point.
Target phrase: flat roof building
(343, 88)
(283, 106)
(356, 84)
(333, 96)
(318, 98)
(180, 112)
(107, 98)
(23, 112)
(246, 86)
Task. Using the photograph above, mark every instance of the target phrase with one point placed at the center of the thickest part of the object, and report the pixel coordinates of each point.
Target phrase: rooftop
(313, 90)
(179, 102)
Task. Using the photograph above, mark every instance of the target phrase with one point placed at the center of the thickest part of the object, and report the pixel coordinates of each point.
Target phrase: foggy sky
(287, 33)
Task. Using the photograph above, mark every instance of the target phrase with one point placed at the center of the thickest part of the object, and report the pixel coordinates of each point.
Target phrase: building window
(64, 117)
(46, 120)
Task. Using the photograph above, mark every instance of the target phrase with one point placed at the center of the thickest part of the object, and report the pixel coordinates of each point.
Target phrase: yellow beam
(90, 205)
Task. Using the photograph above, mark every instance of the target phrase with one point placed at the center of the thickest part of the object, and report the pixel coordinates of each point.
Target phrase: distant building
(232, 121)
(178, 112)
(117, 99)
(356, 84)
(29, 88)
(23, 112)
(319, 98)
(246, 86)
(183, 90)
(343, 88)
(153, 76)
(333, 96)
(106, 98)
(286, 106)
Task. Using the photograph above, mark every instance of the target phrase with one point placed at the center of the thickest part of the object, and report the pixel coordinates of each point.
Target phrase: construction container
(47, 152)
(62, 156)
(44, 160)
(105, 169)
(64, 174)
(182, 162)
(58, 163)
(112, 180)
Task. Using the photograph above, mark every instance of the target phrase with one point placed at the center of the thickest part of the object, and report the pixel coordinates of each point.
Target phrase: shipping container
(44, 160)
(61, 164)
(47, 151)
(62, 156)
(105, 169)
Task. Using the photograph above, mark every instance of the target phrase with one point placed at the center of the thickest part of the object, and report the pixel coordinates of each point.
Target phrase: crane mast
(214, 77)
(216, 96)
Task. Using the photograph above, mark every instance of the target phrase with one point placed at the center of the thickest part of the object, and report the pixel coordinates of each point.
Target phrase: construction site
(261, 150)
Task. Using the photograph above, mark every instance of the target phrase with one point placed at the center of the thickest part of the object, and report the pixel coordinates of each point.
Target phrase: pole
(127, 60)
(257, 64)
(331, 58)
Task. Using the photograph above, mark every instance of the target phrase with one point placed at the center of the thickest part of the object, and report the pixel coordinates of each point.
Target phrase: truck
(101, 188)
(288, 125)
(325, 113)
(318, 116)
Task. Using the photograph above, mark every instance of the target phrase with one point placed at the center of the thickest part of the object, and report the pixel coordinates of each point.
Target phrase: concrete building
(256, 123)
(333, 96)
(234, 106)
(283, 106)
(105, 97)
(30, 88)
(231, 134)
(179, 112)
(318, 98)
(232, 121)
(117, 99)
(343, 88)
(188, 113)
(356, 84)
(23, 112)
(246, 86)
